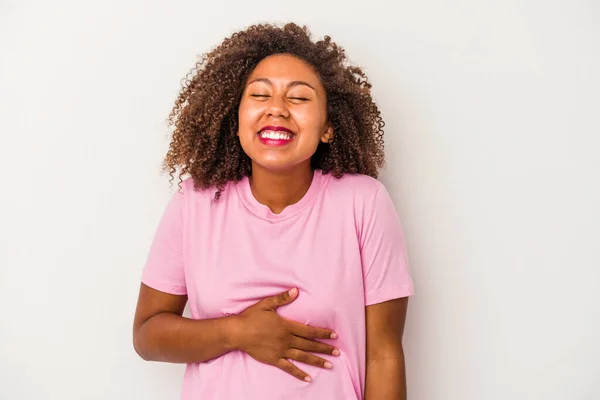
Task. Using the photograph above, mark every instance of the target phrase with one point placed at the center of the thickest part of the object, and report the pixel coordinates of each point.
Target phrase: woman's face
(283, 113)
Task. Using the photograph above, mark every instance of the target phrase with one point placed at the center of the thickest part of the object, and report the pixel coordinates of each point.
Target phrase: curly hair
(204, 142)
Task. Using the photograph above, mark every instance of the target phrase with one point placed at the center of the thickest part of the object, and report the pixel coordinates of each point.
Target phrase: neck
(279, 189)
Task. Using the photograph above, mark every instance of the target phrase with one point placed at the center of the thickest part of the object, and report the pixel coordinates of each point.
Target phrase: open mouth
(275, 136)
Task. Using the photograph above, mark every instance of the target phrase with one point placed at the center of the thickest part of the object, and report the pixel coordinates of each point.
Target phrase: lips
(275, 135)
(276, 129)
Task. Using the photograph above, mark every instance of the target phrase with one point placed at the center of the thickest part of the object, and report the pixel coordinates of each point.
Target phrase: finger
(310, 332)
(291, 369)
(313, 346)
(308, 358)
(281, 299)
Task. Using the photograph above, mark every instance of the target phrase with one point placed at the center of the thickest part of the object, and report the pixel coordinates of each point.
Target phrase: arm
(385, 375)
(160, 333)
(387, 287)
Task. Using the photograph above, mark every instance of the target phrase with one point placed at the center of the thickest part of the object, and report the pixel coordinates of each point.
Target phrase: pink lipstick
(275, 136)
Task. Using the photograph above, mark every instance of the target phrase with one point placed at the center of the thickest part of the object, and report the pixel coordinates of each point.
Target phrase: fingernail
(336, 352)
(308, 379)
(328, 365)
(293, 292)
(333, 335)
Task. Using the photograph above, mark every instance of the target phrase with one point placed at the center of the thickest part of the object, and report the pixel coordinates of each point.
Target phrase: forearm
(171, 338)
(386, 379)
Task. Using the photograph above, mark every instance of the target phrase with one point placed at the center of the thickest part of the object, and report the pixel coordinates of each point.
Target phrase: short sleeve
(164, 268)
(383, 252)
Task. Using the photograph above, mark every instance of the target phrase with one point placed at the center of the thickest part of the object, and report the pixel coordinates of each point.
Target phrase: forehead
(282, 68)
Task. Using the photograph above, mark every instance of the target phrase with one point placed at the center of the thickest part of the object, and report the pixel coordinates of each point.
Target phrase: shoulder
(188, 193)
(367, 197)
(355, 186)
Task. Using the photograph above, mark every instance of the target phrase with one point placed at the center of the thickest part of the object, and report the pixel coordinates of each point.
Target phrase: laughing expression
(283, 113)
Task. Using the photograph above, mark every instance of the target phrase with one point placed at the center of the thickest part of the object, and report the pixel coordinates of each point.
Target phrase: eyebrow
(289, 85)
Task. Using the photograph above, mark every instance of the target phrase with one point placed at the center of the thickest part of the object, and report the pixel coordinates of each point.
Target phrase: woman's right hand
(271, 339)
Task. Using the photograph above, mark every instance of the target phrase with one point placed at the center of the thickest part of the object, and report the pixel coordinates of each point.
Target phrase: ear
(327, 136)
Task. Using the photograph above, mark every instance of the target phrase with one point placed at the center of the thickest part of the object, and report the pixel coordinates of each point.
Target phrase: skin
(386, 376)
(161, 333)
(281, 91)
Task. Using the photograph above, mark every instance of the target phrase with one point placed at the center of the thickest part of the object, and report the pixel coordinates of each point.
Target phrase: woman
(289, 252)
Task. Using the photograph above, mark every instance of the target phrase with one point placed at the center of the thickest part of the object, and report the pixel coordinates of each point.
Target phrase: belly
(249, 379)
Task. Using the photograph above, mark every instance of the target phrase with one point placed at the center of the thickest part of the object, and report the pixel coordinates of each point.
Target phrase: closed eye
(298, 98)
(259, 95)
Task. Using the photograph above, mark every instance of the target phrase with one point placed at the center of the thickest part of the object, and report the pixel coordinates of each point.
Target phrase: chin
(275, 166)
(278, 165)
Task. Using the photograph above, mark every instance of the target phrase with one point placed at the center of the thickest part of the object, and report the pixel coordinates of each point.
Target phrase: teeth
(276, 135)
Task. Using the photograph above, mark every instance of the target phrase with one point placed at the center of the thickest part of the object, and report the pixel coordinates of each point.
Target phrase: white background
(492, 112)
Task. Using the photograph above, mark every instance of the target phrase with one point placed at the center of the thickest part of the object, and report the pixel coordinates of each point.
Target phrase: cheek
(311, 120)
(247, 116)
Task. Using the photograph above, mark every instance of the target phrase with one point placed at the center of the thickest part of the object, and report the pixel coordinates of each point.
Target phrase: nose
(278, 108)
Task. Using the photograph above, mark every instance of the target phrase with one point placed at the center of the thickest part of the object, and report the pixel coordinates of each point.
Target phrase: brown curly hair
(205, 116)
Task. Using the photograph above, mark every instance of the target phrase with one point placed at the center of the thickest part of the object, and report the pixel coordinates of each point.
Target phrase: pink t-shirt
(341, 245)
